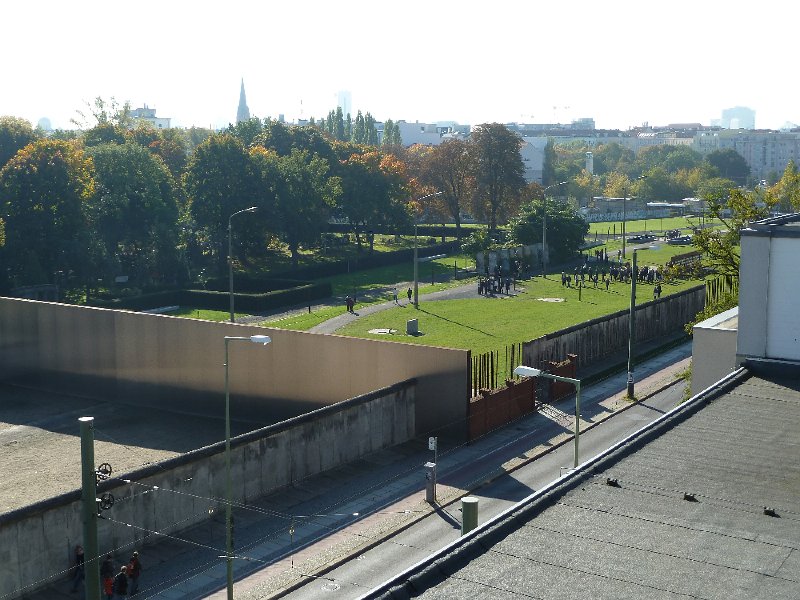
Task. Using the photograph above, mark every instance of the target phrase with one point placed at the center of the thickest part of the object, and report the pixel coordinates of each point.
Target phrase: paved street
(308, 528)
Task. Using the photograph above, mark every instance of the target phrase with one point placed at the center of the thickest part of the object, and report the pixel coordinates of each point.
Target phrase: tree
(720, 247)
(303, 195)
(15, 134)
(612, 157)
(134, 212)
(44, 191)
(374, 190)
(498, 167)
(729, 164)
(566, 229)
(247, 131)
(220, 180)
(104, 133)
(786, 192)
(670, 158)
(103, 112)
(449, 168)
(391, 135)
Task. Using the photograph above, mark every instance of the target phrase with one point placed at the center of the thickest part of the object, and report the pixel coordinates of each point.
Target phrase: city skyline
(519, 62)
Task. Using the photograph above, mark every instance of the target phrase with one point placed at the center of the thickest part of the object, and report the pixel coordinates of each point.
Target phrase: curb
(485, 481)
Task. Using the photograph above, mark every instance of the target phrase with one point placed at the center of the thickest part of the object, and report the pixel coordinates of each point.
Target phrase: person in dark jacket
(121, 582)
(78, 565)
(134, 570)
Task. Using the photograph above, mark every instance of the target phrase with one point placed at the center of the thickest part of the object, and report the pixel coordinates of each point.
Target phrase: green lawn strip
(205, 314)
(485, 324)
(386, 277)
(657, 225)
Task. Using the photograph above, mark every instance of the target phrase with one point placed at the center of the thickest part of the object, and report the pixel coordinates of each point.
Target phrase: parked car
(642, 238)
(681, 240)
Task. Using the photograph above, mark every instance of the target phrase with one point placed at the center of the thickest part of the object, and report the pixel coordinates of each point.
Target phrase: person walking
(409, 293)
(394, 293)
(121, 582)
(107, 576)
(79, 566)
(134, 570)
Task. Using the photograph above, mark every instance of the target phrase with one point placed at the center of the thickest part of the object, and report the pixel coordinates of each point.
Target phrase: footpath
(302, 531)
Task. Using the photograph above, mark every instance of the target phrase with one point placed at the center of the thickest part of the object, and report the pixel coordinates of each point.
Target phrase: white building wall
(714, 349)
(783, 293)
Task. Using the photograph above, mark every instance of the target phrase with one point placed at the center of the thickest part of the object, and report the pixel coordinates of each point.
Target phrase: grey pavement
(302, 531)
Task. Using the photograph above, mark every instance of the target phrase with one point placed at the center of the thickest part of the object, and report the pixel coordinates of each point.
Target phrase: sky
(623, 63)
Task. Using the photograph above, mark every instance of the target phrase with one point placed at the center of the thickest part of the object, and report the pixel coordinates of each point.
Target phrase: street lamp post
(624, 203)
(230, 253)
(416, 269)
(544, 227)
(524, 371)
(256, 339)
(632, 328)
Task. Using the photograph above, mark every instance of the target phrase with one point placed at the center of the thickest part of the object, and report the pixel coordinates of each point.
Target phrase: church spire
(242, 113)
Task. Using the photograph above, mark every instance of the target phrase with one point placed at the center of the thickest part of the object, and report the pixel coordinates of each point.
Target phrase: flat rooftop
(733, 453)
(41, 446)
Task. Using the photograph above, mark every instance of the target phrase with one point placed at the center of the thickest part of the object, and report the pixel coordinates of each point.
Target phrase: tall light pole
(544, 227)
(524, 371)
(632, 328)
(624, 203)
(230, 253)
(416, 269)
(256, 339)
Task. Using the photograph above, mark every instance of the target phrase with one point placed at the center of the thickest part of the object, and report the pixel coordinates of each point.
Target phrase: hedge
(220, 300)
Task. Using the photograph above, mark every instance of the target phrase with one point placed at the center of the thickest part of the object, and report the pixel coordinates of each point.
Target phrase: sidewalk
(315, 524)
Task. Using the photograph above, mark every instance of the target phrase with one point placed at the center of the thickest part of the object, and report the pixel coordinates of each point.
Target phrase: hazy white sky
(621, 62)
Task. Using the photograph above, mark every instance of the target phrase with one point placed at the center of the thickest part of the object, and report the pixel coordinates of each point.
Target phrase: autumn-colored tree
(786, 192)
(375, 189)
(449, 168)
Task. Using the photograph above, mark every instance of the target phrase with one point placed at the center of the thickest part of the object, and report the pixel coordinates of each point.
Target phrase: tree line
(115, 197)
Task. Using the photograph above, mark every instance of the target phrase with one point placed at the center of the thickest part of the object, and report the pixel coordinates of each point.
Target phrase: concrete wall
(36, 541)
(714, 349)
(178, 364)
(604, 337)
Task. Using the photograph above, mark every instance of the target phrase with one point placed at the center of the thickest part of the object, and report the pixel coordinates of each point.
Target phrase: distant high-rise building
(242, 113)
(738, 117)
(344, 100)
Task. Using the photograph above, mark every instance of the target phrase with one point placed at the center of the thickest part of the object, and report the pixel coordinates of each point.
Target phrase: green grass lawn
(667, 223)
(381, 277)
(485, 324)
(202, 313)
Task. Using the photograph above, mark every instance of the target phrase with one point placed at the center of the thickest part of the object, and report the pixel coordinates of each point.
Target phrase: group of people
(494, 285)
(409, 293)
(124, 582)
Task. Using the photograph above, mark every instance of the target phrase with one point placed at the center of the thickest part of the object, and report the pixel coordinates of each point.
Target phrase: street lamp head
(524, 371)
(260, 339)
(251, 209)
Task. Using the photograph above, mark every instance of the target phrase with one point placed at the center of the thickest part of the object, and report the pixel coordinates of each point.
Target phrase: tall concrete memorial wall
(337, 398)
(178, 363)
(174, 494)
(604, 337)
